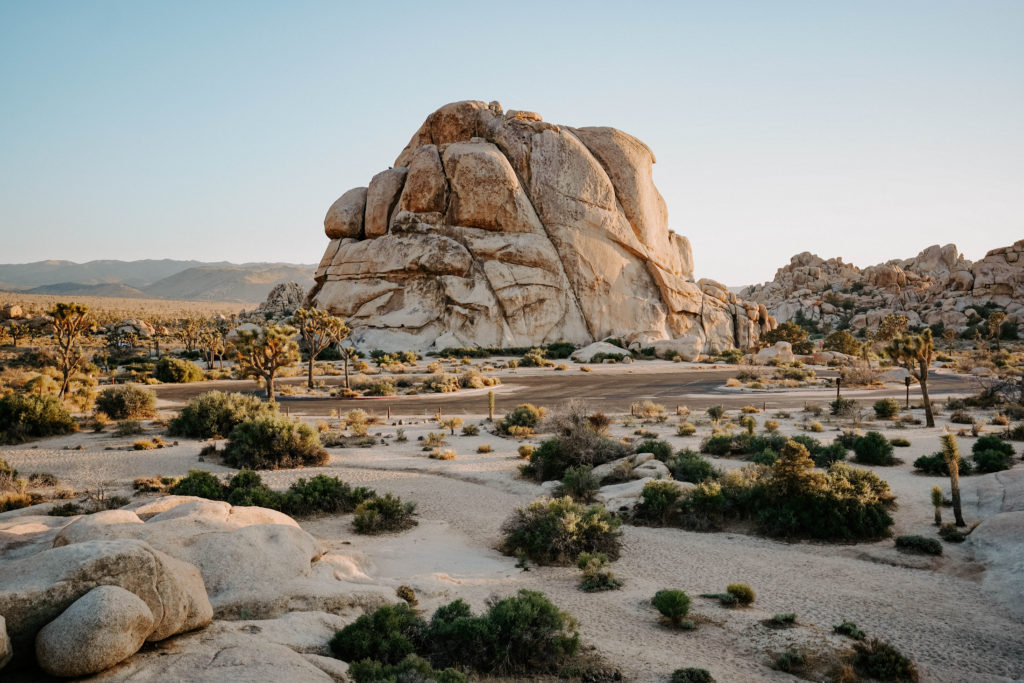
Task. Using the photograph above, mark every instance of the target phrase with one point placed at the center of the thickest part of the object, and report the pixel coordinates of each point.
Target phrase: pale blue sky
(223, 130)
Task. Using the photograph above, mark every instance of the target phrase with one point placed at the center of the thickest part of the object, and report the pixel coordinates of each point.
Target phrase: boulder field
(497, 228)
(938, 286)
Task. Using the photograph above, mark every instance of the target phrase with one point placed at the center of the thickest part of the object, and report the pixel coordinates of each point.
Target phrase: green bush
(688, 465)
(879, 660)
(825, 456)
(659, 503)
(674, 605)
(126, 401)
(992, 454)
(274, 442)
(717, 445)
(412, 668)
(387, 636)
(27, 416)
(935, 464)
(579, 483)
(214, 414)
(177, 370)
(323, 494)
(381, 514)
(691, 675)
(743, 593)
(199, 483)
(842, 406)
(596, 575)
(525, 415)
(661, 450)
(581, 446)
(919, 545)
(556, 531)
(886, 408)
(951, 534)
(247, 488)
(849, 629)
(900, 442)
(766, 457)
(873, 449)
(530, 634)
(791, 661)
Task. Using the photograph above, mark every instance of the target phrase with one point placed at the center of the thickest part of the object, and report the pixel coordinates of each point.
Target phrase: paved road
(606, 392)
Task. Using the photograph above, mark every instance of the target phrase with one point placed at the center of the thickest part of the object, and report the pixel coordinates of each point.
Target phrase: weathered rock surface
(282, 301)
(6, 651)
(937, 286)
(587, 353)
(619, 497)
(103, 627)
(498, 229)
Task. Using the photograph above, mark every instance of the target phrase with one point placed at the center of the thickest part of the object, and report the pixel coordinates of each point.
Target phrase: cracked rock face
(499, 229)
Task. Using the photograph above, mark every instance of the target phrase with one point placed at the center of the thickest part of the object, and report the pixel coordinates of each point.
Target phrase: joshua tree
(914, 352)
(949, 334)
(490, 406)
(211, 344)
(937, 502)
(18, 331)
(261, 353)
(995, 326)
(70, 322)
(452, 423)
(319, 330)
(348, 354)
(892, 326)
(189, 332)
(951, 453)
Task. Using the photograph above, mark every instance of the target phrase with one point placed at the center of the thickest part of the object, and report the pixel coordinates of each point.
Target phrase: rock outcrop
(937, 286)
(496, 228)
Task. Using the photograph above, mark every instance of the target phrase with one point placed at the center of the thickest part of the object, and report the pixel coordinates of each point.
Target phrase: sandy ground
(935, 610)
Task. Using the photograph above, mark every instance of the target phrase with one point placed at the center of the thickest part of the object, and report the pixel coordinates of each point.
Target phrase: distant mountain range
(154, 279)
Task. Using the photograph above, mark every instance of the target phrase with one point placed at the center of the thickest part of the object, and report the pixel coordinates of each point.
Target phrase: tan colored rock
(425, 195)
(6, 651)
(381, 197)
(103, 627)
(36, 589)
(345, 217)
(485, 190)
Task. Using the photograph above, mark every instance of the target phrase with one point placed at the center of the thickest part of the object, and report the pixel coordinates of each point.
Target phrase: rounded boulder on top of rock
(103, 627)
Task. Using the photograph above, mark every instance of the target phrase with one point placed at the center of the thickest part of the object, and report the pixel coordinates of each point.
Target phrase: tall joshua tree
(914, 352)
(70, 322)
(951, 453)
(995, 326)
(261, 353)
(319, 330)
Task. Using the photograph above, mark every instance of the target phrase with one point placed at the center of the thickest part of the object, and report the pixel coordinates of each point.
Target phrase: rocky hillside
(938, 287)
(496, 228)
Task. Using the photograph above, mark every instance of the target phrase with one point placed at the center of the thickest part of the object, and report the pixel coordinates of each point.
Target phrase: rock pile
(937, 286)
(80, 595)
(282, 301)
(497, 228)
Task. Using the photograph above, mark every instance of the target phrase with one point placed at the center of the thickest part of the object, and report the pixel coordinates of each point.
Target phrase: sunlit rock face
(496, 228)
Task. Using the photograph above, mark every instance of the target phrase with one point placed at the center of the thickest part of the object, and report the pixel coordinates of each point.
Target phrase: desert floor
(945, 613)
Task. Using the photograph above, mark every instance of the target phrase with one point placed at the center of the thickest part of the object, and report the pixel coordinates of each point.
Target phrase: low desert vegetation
(274, 442)
(177, 370)
(126, 401)
(596, 575)
(674, 606)
(215, 414)
(525, 634)
(577, 441)
(557, 531)
(33, 416)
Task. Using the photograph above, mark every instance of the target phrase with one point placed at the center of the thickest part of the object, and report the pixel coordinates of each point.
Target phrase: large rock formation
(498, 229)
(937, 286)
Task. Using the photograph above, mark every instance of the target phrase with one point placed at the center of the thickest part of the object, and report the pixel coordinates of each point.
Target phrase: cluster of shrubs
(764, 449)
(989, 454)
(518, 635)
(521, 420)
(559, 530)
(786, 499)
(556, 350)
(320, 494)
(214, 414)
(177, 370)
(126, 401)
(32, 416)
(579, 440)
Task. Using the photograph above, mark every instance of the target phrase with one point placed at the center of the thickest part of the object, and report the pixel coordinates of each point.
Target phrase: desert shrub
(771, 426)
(442, 454)
(65, 510)
(716, 412)
(526, 450)
(841, 341)
(128, 428)
(662, 450)
(441, 383)
(648, 410)
(951, 534)
(596, 575)
(323, 494)
(842, 406)
(659, 502)
(785, 619)
(177, 370)
(849, 629)
(579, 483)
(388, 635)
(143, 445)
(720, 445)
(743, 593)
(484, 448)
(900, 442)
(961, 417)
(879, 660)
(991, 454)
(791, 661)
(378, 515)
(247, 488)
(686, 429)
(824, 456)
(919, 545)
(575, 443)
(382, 388)
(935, 464)
(691, 675)
(525, 415)
(688, 465)
(556, 531)
(873, 449)
(470, 430)
(886, 408)
(273, 442)
(27, 416)
(126, 401)
(674, 605)
(411, 668)
(199, 483)
(15, 500)
(215, 414)
(766, 457)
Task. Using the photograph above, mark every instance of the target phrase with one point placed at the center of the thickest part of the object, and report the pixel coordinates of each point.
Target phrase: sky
(224, 130)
